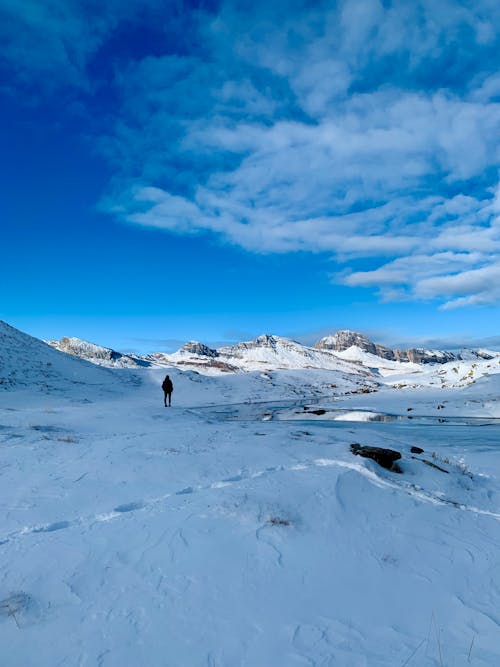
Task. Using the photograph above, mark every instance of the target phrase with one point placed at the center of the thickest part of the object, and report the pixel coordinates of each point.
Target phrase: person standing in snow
(168, 388)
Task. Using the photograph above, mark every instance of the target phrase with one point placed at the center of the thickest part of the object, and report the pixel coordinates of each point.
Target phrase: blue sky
(215, 170)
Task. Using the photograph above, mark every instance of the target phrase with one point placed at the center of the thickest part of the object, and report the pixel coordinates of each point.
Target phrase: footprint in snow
(129, 507)
(182, 492)
(236, 478)
(51, 527)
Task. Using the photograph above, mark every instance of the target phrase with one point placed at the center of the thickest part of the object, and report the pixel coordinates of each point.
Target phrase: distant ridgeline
(98, 354)
(343, 340)
(339, 342)
(282, 349)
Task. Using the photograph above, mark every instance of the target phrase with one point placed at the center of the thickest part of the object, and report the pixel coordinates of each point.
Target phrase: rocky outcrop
(82, 348)
(401, 355)
(274, 343)
(420, 355)
(469, 355)
(201, 350)
(384, 457)
(385, 352)
(343, 340)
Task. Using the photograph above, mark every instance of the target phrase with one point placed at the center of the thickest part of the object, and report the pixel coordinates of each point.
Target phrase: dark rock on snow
(416, 450)
(384, 457)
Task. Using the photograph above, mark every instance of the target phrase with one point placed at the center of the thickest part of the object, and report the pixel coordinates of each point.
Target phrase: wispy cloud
(50, 44)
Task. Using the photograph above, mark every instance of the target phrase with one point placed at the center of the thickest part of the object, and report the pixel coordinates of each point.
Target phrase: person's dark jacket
(167, 385)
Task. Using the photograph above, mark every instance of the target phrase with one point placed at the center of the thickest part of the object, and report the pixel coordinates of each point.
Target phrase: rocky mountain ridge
(271, 352)
(266, 352)
(345, 339)
(28, 362)
(98, 354)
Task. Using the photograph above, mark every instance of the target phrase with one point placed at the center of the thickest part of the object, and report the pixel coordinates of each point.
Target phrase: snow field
(135, 534)
(144, 535)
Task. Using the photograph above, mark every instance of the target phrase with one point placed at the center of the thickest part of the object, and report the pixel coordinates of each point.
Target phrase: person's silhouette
(168, 388)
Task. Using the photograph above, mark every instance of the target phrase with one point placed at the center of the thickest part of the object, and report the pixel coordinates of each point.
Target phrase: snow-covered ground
(228, 530)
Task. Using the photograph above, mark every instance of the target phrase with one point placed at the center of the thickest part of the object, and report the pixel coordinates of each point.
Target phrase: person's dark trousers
(168, 397)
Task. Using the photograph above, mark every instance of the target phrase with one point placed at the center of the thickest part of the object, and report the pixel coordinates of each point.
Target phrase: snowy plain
(236, 529)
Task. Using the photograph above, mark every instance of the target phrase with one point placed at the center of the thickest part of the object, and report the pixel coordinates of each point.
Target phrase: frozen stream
(324, 414)
(466, 434)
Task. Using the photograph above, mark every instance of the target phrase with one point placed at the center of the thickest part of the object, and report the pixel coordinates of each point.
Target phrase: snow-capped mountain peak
(98, 354)
(198, 349)
(344, 340)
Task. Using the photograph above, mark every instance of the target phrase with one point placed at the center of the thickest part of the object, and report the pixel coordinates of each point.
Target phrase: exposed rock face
(343, 340)
(401, 355)
(385, 352)
(467, 354)
(261, 341)
(194, 347)
(82, 348)
(422, 356)
(275, 343)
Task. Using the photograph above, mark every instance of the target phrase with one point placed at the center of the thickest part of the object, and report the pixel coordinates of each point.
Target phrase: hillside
(28, 363)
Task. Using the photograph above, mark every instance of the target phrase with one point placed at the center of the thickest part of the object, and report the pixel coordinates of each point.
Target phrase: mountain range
(271, 351)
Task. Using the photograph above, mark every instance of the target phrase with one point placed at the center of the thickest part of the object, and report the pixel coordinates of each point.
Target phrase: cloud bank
(364, 129)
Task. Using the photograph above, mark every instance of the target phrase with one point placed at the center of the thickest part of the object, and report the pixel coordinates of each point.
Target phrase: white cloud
(362, 131)
(474, 286)
(360, 128)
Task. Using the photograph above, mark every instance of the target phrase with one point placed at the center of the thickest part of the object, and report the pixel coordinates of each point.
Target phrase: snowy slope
(26, 362)
(184, 538)
(457, 373)
(452, 374)
(276, 352)
(212, 533)
(384, 367)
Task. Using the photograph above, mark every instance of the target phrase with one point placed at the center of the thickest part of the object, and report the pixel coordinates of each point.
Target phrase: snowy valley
(239, 528)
